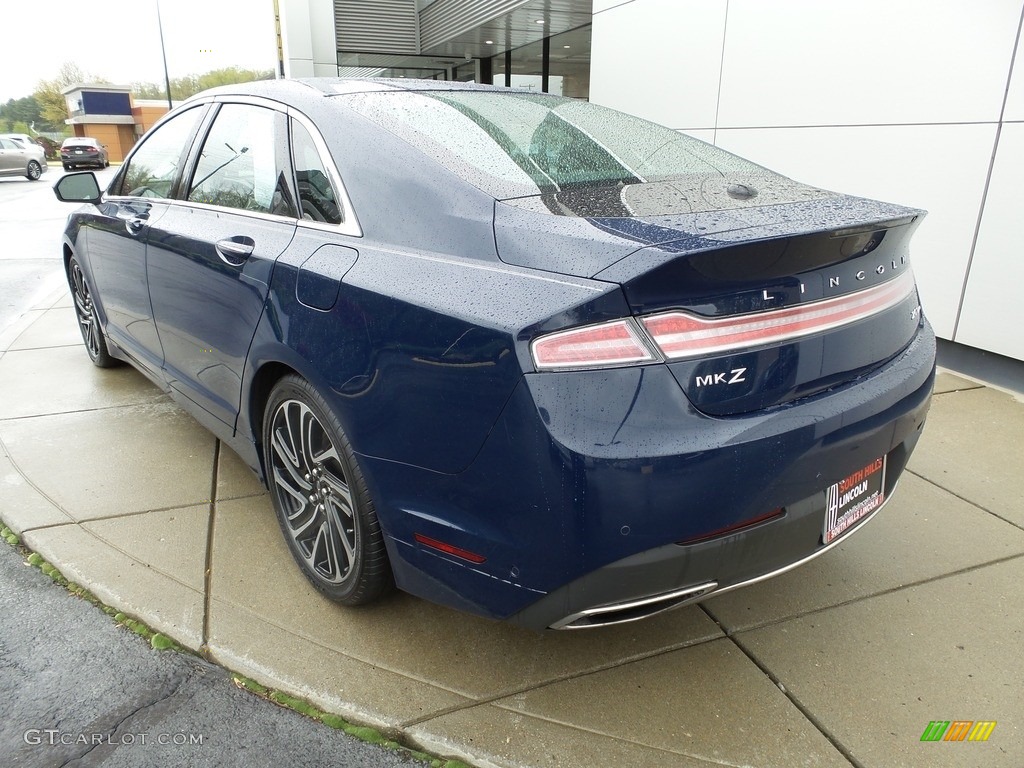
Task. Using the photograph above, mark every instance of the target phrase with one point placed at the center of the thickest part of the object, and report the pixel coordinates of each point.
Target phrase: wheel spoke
(312, 435)
(287, 485)
(340, 493)
(322, 556)
(289, 463)
(307, 517)
(341, 532)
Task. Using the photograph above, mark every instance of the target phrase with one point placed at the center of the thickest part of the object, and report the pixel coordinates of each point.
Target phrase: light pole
(163, 52)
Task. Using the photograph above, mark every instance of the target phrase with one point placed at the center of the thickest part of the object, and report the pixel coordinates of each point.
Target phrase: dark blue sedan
(517, 354)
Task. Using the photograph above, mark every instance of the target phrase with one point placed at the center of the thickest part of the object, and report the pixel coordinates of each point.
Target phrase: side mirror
(78, 188)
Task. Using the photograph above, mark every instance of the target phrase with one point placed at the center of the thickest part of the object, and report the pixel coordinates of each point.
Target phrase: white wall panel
(307, 38)
(909, 165)
(807, 62)
(1015, 96)
(296, 38)
(324, 37)
(659, 59)
(993, 311)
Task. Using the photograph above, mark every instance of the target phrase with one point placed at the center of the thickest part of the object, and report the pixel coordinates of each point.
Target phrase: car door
(10, 156)
(136, 199)
(210, 257)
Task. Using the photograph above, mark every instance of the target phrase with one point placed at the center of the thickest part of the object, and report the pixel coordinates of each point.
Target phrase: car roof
(312, 89)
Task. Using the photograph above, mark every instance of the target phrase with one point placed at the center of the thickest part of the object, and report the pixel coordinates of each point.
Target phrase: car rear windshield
(515, 144)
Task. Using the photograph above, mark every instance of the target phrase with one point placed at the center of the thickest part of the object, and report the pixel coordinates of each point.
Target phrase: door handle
(236, 250)
(134, 226)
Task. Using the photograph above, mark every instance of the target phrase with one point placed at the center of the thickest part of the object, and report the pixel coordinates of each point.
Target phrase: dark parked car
(521, 355)
(81, 151)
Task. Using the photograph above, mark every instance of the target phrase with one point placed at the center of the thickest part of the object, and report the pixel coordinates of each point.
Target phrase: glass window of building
(569, 63)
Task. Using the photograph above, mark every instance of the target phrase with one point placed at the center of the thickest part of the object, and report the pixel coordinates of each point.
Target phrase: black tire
(67, 167)
(34, 171)
(88, 321)
(321, 500)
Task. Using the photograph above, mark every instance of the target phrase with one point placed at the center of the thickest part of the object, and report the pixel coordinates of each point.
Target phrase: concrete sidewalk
(919, 617)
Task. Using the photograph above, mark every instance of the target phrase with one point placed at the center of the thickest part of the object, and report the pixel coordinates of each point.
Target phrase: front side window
(317, 197)
(238, 166)
(153, 167)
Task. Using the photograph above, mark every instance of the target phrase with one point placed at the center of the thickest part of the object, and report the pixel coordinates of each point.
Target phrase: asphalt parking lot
(917, 619)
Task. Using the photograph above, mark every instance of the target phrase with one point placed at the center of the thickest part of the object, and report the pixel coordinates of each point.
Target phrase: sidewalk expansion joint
(17, 468)
(962, 498)
(516, 691)
(971, 388)
(804, 710)
(731, 633)
(75, 344)
(705, 759)
(112, 516)
(204, 645)
(149, 401)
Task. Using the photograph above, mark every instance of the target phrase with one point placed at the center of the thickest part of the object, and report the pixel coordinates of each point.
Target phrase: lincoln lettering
(833, 280)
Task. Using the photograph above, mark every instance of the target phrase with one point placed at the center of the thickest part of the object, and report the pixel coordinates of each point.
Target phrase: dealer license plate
(852, 498)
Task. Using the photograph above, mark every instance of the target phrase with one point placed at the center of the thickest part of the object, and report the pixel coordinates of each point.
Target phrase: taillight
(678, 335)
(681, 335)
(592, 346)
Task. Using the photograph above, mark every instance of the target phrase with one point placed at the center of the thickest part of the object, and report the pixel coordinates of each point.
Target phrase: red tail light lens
(592, 346)
(678, 335)
(682, 335)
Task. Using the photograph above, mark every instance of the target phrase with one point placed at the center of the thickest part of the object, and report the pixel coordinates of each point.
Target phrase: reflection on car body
(519, 355)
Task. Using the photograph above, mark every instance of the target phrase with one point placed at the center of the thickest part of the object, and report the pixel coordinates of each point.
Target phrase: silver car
(16, 159)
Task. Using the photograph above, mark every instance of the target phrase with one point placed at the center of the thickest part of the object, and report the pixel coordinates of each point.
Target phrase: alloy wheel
(85, 311)
(313, 492)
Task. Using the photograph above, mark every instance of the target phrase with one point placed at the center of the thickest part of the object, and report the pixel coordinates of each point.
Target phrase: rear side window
(153, 167)
(317, 196)
(238, 165)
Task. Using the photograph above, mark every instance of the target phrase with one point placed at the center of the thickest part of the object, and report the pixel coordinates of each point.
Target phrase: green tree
(53, 107)
(188, 85)
(20, 112)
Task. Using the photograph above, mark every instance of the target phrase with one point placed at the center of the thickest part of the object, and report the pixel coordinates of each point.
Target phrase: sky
(120, 41)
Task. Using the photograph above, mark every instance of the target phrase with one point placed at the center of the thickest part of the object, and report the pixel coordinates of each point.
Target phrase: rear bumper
(673, 575)
(588, 480)
(96, 160)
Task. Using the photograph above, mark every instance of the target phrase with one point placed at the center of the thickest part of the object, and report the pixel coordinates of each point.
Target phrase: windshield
(516, 144)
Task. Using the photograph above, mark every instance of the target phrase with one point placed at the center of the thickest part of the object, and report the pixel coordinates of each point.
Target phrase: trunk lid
(808, 253)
